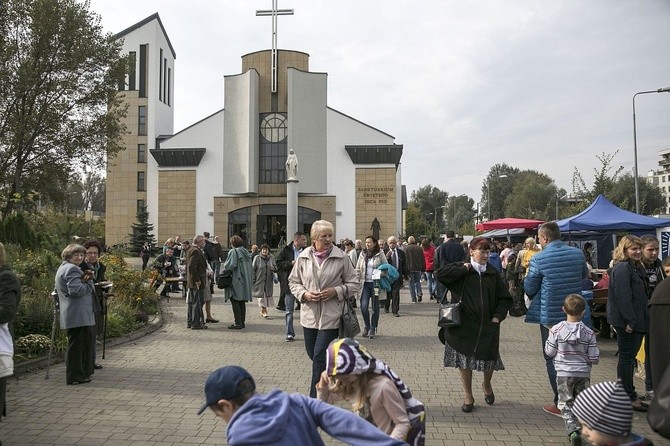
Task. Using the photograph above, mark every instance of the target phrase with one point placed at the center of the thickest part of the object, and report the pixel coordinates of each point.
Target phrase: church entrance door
(271, 229)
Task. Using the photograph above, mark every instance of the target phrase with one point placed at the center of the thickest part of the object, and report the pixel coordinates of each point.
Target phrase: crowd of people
(543, 280)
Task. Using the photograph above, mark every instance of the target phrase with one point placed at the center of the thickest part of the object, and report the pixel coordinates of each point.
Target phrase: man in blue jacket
(279, 418)
(553, 273)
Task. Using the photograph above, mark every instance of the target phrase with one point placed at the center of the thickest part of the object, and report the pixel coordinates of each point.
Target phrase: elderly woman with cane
(321, 279)
(76, 293)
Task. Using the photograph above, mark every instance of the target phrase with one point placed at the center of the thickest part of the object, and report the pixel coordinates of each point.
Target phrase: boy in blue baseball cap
(279, 418)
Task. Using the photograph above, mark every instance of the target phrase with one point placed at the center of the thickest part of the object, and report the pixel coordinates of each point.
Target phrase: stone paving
(150, 389)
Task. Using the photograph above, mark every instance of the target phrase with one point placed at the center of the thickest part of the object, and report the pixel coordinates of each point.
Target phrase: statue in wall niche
(376, 228)
(291, 165)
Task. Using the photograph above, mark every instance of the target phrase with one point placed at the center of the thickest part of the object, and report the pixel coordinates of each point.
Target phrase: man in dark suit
(396, 257)
(448, 252)
(285, 262)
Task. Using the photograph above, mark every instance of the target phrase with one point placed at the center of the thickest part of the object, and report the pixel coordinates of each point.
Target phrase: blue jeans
(551, 370)
(415, 285)
(316, 344)
(368, 293)
(289, 302)
(629, 344)
(432, 285)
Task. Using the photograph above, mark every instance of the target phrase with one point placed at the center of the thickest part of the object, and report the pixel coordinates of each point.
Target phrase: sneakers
(575, 439)
(289, 338)
(551, 409)
(371, 334)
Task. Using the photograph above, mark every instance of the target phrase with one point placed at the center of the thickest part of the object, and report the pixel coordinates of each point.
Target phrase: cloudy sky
(544, 85)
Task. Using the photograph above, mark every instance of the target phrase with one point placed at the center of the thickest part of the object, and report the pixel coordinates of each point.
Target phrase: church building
(226, 174)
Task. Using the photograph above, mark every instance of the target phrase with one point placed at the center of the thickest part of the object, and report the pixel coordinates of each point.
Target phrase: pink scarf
(321, 255)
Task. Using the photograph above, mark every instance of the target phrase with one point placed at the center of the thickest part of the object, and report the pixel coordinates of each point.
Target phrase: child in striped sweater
(573, 347)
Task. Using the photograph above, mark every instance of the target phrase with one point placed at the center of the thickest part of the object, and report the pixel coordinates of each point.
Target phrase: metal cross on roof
(274, 12)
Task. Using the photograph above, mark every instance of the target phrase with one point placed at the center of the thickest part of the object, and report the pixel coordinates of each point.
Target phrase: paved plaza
(150, 389)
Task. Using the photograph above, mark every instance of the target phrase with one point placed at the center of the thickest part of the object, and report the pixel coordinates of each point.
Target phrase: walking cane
(104, 326)
(106, 289)
(54, 296)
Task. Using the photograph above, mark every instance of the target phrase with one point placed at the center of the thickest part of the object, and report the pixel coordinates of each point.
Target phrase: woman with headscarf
(10, 296)
(321, 279)
(485, 301)
(368, 262)
(375, 392)
(627, 301)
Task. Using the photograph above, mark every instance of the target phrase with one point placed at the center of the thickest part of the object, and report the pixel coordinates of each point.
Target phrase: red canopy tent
(509, 223)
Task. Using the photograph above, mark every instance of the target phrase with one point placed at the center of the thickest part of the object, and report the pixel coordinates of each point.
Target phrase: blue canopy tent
(602, 216)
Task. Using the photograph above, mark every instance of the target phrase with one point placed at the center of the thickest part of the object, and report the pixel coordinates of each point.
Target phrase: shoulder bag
(224, 279)
(450, 310)
(349, 326)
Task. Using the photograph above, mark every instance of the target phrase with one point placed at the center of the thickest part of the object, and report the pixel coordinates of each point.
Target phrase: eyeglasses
(91, 252)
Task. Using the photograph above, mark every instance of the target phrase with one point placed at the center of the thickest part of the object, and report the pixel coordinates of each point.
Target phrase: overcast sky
(545, 85)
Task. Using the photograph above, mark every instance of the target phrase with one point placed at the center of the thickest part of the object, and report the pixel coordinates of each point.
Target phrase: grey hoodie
(573, 347)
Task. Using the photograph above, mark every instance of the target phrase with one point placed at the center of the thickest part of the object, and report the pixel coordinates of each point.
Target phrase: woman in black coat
(627, 302)
(485, 300)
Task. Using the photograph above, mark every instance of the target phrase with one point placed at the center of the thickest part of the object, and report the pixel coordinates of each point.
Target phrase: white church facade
(226, 173)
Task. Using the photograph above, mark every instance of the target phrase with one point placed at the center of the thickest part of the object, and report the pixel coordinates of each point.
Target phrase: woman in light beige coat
(321, 279)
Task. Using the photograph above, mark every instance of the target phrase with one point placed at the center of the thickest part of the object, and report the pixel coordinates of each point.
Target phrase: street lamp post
(637, 189)
(488, 193)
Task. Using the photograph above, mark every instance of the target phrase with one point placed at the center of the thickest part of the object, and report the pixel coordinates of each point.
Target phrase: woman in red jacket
(428, 255)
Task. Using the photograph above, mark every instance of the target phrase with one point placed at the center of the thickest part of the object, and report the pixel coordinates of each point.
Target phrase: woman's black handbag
(349, 326)
(450, 313)
(224, 279)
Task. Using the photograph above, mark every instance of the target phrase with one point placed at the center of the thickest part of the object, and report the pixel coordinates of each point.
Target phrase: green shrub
(17, 230)
(32, 345)
(130, 287)
(132, 299)
(35, 315)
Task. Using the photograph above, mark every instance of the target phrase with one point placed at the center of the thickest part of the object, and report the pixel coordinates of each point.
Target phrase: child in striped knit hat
(606, 415)
(376, 392)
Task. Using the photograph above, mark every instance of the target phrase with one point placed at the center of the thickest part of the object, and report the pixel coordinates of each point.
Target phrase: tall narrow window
(168, 85)
(164, 77)
(142, 120)
(141, 153)
(272, 150)
(143, 71)
(132, 74)
(160, 75)
(141, 186)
